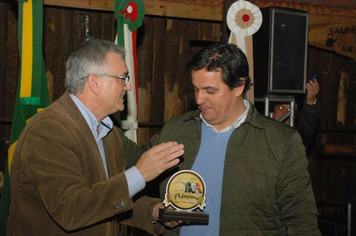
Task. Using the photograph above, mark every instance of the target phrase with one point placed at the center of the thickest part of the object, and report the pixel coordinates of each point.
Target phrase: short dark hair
(229, 59)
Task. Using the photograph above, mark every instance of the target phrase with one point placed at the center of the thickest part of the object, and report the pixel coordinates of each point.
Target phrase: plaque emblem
(185, 190)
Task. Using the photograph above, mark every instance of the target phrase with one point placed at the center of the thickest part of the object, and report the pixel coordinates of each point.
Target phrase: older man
(68, 174)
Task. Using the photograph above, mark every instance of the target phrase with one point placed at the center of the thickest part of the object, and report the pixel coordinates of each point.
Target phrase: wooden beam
(341, 150)
(153, 7)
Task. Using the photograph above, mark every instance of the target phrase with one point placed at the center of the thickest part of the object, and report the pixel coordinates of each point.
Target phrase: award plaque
(185, 192)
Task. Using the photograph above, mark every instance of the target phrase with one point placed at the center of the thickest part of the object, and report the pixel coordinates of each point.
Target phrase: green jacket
(266, 187)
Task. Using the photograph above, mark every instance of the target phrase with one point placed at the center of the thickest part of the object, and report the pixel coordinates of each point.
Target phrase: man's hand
(158, 159)
(155, 215)
(312, 88)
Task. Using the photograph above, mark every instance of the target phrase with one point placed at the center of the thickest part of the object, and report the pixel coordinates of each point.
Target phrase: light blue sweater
(209, 164)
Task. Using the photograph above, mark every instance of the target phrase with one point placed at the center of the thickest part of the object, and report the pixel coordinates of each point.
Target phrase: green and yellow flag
(32, 91)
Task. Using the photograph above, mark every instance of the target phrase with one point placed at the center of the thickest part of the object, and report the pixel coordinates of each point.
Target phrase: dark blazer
(58, 182)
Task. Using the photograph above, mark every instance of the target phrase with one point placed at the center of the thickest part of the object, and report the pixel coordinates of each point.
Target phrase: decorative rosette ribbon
(243, 19)
(129, 15)
(132, 11)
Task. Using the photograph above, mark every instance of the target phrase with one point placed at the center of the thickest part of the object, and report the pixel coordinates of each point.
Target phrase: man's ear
(93, 82)
(239, 90)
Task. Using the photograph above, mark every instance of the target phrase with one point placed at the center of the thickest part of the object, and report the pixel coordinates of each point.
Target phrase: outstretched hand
(158, 159)
(312, 88)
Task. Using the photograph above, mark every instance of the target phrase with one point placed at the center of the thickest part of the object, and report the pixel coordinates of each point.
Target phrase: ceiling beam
(153, 7)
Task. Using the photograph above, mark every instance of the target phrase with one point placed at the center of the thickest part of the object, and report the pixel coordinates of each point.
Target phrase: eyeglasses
(126, 78)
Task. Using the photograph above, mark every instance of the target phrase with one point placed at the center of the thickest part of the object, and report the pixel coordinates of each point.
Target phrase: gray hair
(89, 59)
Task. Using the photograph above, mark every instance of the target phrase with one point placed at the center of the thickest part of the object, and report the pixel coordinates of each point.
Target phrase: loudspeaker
(280, 52)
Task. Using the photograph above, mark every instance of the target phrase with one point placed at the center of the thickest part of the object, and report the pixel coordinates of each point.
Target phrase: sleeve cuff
(135, 181)
(313, 103)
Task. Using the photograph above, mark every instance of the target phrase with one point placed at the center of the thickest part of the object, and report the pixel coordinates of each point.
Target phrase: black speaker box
(280, 52)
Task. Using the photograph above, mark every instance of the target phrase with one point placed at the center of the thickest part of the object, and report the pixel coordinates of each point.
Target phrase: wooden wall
(332, 156)
(9, 66)
(164, 46)
(163, 84)
(62, 33)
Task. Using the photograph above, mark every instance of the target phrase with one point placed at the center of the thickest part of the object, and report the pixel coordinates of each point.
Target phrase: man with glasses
(70, 172)
(126, 77)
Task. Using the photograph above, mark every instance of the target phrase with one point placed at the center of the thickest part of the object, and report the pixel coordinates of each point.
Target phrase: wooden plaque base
(193, 217)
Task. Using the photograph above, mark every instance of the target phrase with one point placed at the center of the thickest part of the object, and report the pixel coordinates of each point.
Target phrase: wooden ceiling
(213, 9)
(334, 3)
(153, 7)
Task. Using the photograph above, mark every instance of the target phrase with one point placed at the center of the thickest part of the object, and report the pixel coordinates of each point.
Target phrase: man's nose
(128, 86)
(199, 98)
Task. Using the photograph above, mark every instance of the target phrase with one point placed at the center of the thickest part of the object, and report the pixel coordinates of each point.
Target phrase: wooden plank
(144, 76)
(12, 62)
(67, 29)
(350, 69)
(83, 4)
(225, 34)
(183, 10)
(94, 24)
(50, 39)
(108, 21)
(177, 47)
(50, 30)
(153, 7)
(157, 87)
(329, 84)
(4, 127)
(333, 33)
(3, 52)
(342, 150)
(64, 31)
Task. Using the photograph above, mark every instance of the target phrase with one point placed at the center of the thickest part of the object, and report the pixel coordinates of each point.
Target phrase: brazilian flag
(32, 91)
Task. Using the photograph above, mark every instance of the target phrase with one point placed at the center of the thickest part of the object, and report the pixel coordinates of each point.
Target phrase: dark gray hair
(90, 58)
(228, 58)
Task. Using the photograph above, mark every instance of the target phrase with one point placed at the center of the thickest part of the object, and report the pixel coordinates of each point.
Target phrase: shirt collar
(89, 116)
(235, 124)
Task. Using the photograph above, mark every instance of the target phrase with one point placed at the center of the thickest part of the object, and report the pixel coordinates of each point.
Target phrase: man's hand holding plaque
(185, 192)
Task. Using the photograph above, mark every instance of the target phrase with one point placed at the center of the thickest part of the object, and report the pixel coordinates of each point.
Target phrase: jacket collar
(253, 117)
(193, 116)
(68, 104)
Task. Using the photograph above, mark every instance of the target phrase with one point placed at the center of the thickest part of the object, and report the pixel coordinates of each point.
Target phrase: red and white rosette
(243, 19)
